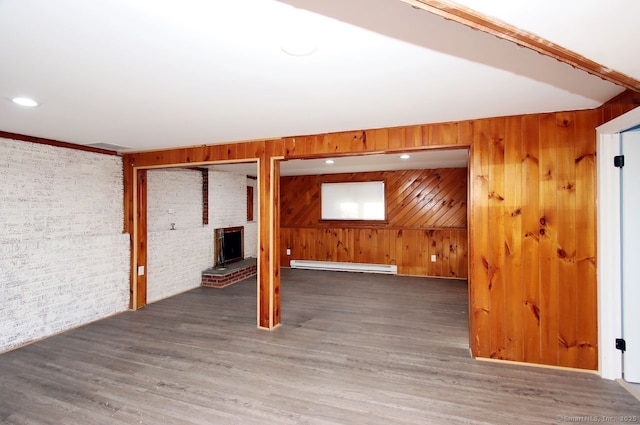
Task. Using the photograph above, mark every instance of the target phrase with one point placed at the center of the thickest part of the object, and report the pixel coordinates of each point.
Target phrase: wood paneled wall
(533, 239)
(532, 244)
(414, 198)
(619, 105)
(397, 139)
(409, 249)
(426, 215)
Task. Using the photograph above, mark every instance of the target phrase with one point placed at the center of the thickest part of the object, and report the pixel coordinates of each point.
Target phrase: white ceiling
(155, 74)
(602, 30)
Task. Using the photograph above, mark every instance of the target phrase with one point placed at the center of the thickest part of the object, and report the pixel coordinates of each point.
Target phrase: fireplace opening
(229, 245)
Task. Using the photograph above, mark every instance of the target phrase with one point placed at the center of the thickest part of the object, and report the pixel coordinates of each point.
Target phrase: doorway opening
(424, 230)
(182, 207)
(610, 309)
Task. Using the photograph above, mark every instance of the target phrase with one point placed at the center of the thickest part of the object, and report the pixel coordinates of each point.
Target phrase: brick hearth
(218, 278)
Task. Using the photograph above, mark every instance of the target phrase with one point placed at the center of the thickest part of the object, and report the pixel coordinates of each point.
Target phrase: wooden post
(140, 241)
(275, 240)
(269, 229)
(129, 184)
(135, 223)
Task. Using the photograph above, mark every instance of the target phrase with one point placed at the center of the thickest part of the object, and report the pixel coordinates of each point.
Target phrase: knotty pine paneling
(586, 317)
(426, 215)
(619, 105)
(451, 135)
(533, 233)
(409, 249)
(414, 198)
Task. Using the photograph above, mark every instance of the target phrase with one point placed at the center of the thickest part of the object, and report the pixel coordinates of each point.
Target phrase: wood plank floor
(354, 349)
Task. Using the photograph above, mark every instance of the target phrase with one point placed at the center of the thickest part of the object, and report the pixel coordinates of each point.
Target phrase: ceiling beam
(458, 13)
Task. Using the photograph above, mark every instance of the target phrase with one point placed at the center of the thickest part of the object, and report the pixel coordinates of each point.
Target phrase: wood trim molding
(57, 143)
(140, 279)
(250, 203)
(473, 19)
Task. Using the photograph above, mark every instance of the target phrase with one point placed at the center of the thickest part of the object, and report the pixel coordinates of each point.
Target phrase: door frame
(609, 252)
(139, 231)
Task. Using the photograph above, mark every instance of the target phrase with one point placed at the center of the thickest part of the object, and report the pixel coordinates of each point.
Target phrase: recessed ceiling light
(405, 156)
(299, 32)
(303, 48)
(24, 101)
(329, 161)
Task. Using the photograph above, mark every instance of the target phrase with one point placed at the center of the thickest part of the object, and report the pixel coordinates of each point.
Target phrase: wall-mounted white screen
(353, 201)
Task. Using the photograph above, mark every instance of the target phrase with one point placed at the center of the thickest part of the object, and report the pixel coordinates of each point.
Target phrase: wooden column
(129, 183)
(275, 238)
(479, 308)
(135, 223)
(269, 260)
(140, 272)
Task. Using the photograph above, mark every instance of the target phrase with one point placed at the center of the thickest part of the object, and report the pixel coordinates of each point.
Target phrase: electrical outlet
(288, 251)
(140, 270)
(433, 258)
(171, 211)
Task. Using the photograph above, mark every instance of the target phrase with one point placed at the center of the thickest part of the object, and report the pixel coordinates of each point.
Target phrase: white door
(630, 199)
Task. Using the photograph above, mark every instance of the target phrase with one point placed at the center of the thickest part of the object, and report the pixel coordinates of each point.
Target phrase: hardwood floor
(354, 349)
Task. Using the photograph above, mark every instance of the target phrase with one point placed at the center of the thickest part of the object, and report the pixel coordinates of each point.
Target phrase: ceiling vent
(109, 147)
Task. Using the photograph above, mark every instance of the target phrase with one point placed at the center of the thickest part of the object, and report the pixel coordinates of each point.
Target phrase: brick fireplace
(228, 245)
(230, 265)
(219, 278)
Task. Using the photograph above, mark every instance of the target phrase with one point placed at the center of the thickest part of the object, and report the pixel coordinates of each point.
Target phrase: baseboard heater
(344, 267)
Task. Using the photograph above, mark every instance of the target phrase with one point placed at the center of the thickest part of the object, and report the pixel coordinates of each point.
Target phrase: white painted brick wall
(63, 258)
(175, 258)
(58, 192)
(228, 206)
(227, 199)
(174, 196)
